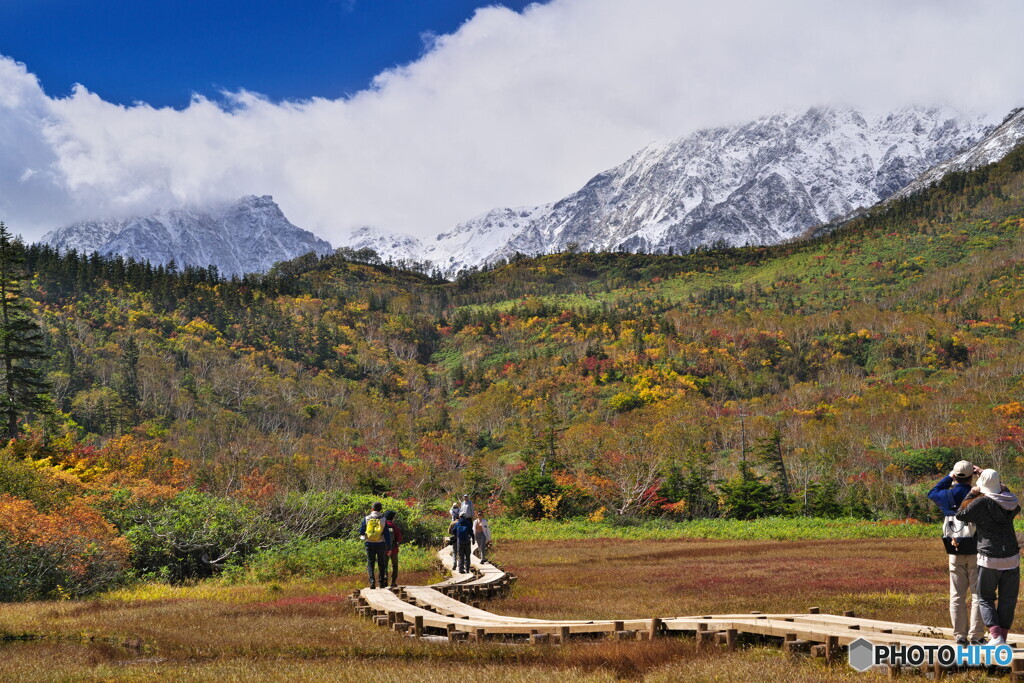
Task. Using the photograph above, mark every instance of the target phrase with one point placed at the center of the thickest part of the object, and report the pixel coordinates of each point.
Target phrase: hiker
(482, 534)
(455, 511)
(466, 508)
(464, 532)
(396, 540)
(962, 549)
(991, 508)
(375, 532)
(453, 543)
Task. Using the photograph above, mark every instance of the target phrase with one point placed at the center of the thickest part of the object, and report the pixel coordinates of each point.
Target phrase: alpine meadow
(237, 429)
(511, 340)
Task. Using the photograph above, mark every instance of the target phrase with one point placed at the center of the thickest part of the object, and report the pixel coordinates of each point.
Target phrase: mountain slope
(248, 236)
(993, 147)
(759, 183)
(395, 246)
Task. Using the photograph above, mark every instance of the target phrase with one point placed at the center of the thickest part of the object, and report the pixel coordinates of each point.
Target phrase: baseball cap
(963, 469)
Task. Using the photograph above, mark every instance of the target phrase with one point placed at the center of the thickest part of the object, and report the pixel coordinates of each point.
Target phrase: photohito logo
(864, 654)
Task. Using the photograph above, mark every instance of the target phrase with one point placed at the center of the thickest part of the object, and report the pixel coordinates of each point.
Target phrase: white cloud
(511, 109)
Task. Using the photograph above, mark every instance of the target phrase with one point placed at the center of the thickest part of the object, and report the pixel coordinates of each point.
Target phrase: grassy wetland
(305, 630)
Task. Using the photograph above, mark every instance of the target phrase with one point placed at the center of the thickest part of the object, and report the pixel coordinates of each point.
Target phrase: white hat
(963, 469)
(988, 482)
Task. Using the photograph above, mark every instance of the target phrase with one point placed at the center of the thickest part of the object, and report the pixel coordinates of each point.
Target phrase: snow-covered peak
(394, 246)
(988, 150)
(247, 236)
(762, 182)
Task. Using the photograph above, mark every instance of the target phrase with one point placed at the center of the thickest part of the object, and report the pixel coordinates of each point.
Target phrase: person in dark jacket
(961, 548)
(453, 542)
(464, 531)
(991, 508)
(396, 541)
(375, 533)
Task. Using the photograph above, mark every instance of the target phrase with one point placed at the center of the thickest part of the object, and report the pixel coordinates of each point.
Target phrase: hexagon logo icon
(862, 654)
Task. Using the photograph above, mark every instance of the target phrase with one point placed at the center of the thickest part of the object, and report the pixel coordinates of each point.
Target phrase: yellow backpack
(374, 529)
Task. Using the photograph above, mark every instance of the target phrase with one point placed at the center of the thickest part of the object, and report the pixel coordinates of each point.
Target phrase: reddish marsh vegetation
(301, 632)
(899, 579)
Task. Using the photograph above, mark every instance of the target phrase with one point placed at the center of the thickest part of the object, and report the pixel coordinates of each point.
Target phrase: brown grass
(303, 631)
(901, 580)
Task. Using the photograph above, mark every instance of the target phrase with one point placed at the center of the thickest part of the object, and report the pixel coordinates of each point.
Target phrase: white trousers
(963, 577)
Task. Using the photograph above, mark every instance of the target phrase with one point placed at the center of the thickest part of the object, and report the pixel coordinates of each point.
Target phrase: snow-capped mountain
(758, 183)
(989, 150)
(248, 236)
(389, 245)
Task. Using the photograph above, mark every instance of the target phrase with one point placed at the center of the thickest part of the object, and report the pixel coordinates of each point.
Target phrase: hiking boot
(980, 640)
(962, 640)
(372, 586)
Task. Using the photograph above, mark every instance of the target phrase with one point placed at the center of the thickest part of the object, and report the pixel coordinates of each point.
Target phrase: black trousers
(394, 568)
(998, 611)
(464, 548)
(377, 555)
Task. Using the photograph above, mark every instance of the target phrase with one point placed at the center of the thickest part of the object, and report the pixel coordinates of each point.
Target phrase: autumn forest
(185, 424)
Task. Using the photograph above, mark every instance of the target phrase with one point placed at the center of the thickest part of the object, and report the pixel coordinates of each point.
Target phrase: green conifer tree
(23, 389)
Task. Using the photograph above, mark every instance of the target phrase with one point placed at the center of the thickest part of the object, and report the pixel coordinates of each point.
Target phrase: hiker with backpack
(375, 533)
(464, 533)
(990, 507)
(396, 541)
(482, 534)
(961, 547)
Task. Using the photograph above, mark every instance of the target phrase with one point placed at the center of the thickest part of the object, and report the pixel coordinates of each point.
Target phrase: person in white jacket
(481, 534)
(466, 508)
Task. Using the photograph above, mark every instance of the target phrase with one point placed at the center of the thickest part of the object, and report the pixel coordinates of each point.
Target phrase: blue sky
(163, 51)
(508, 106)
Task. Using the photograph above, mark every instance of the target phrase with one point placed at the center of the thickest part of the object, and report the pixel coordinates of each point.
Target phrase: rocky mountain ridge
(762, 182)
(248, 236)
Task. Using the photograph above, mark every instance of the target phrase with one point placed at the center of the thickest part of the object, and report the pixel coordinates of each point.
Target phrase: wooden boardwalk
(451, 608)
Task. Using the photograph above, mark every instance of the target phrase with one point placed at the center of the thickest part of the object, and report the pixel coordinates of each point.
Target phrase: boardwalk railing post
(418, 626)
(655, 627)
(730, 638)
(831, 648)
(563, 635)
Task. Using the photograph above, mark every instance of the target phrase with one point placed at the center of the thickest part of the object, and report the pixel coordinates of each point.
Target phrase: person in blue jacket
(375, 532)
(962, 548)
(464, 532)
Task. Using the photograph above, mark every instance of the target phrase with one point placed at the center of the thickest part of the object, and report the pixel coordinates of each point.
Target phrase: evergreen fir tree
(769, 454)
(748, 497)
(23, 389)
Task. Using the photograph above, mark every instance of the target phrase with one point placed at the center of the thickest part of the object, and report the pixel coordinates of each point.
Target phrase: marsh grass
(763, 529)
(304, 630)
(615, 578)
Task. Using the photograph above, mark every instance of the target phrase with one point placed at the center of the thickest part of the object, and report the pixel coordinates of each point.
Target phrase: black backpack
(958, 537)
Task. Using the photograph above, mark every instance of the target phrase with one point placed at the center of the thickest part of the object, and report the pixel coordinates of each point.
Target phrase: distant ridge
(762, 182)
(248, 236)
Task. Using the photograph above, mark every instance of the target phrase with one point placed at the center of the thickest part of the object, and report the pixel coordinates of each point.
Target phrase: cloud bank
(511, 109)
